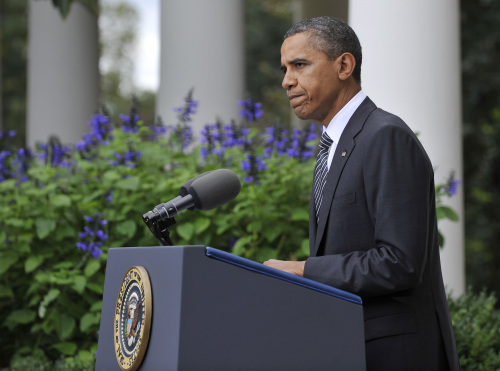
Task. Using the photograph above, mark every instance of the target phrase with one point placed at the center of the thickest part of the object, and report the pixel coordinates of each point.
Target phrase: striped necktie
(321, 170)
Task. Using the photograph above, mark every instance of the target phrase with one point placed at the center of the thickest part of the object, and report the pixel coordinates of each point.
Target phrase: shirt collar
(340, 120)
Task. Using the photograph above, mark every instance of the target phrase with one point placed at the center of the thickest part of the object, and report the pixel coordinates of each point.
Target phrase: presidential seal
(132, 318)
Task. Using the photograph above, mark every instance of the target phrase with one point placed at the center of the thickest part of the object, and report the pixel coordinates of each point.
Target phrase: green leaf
(95, 287)
(445, 212)
(300, 215)
(255, 226)
(129, 184)
(22, 316)
(65, 326)
(201, 225)
(51, 296)
(44, 227)
(239, 246)
(15, 222)
(92, 266)
(65, 348)
(126, 228)
(32, 263)
(63, 265)
(7, 259)
(79, 283)
(96, 307)
(304, 250)
(60, 201)
(111, 176)
(265, 253)
(6, 292)
(271, 232)
(88, 320)
(48, 298)
(186, 231)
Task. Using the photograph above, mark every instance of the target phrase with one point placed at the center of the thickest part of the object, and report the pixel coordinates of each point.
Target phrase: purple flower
(100, 134)
(129, 158)
(92, 237)
(184, 113)
(251, 111)
(20, 164)
(109, 196)
(158, 130)
(103, 236)
(54, 153)
(246, 166)
(183, 134)
(452, 187)
(252, 166)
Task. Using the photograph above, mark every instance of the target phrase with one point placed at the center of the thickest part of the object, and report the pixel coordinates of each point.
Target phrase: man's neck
(350, 90)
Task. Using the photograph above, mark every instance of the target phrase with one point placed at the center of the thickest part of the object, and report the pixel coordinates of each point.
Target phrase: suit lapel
(344, 149)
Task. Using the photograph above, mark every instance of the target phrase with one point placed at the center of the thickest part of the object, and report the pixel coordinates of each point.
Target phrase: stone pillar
(411, 67)
(63, 75)
(201, 48)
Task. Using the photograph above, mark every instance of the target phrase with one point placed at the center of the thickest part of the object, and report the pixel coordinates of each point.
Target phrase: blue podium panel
(210, 313)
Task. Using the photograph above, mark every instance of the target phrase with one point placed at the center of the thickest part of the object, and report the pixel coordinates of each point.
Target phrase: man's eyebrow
(294, 61)
(297, 60)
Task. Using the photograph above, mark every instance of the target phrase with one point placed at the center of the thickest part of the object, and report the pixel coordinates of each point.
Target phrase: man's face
(311, 80)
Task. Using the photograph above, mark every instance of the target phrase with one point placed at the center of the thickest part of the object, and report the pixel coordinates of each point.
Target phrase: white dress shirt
(339, 122)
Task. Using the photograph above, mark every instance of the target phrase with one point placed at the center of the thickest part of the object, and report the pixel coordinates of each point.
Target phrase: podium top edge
(276, 273)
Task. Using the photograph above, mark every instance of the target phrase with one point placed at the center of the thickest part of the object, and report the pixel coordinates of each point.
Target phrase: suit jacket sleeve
(393, 181)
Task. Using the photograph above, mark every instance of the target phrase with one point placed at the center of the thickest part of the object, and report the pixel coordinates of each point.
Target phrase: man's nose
(289, 81)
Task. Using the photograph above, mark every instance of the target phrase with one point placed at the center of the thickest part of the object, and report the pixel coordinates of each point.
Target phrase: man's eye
(299, 64)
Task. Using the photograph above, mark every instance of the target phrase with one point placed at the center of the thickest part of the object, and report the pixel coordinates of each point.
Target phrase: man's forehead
(297, 46)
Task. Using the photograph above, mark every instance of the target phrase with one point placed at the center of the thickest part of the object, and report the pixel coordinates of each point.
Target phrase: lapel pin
(344, 153)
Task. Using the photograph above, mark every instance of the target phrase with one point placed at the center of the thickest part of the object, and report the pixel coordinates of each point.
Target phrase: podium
(212, 310)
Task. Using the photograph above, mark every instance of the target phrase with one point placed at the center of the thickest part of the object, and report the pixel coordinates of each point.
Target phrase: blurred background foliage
(480, 29)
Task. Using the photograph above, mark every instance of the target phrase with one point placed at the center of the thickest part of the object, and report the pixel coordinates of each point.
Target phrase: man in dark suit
(373, 227)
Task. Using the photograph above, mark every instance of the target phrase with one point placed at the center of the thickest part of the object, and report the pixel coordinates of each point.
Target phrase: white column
(411, 67)
(63, 75)
(201, 47)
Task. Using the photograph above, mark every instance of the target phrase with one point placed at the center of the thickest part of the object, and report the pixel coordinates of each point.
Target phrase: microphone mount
(159, 227)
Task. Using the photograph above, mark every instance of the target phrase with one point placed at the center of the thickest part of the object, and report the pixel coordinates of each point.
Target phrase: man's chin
(300, 113)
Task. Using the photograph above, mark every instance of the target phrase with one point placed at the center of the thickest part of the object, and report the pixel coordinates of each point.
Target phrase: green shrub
(476, 323)
(62, 209)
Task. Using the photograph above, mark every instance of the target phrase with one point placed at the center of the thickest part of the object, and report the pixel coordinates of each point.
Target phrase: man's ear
(347, 64)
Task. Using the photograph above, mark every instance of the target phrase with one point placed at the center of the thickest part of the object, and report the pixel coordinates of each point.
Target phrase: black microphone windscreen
(214, 189)
(184, 190)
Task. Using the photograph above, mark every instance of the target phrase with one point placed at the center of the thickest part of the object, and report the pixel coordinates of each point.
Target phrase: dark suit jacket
(377, 237)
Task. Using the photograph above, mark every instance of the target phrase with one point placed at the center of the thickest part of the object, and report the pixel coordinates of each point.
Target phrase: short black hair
(333, 37)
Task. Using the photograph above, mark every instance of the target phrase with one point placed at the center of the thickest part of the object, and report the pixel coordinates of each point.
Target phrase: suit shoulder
(386, 129)
(380, 119)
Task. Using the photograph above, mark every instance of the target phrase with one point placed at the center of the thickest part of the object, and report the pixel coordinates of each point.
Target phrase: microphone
(184, 190)
(203, 192)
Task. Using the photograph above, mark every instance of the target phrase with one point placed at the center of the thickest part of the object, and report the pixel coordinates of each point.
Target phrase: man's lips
(294, 99)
